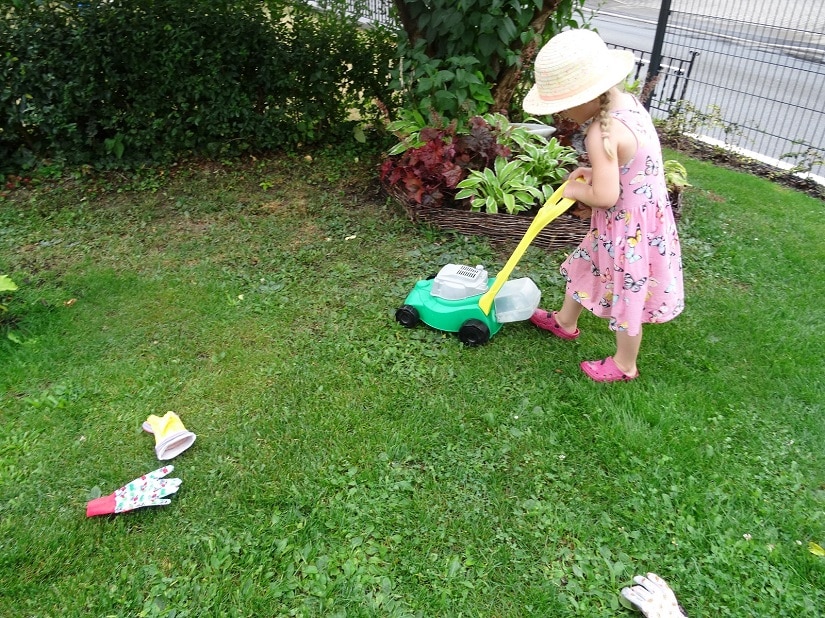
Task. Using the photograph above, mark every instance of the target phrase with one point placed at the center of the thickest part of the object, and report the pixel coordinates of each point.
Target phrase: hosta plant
(549, 162)
(507, 185)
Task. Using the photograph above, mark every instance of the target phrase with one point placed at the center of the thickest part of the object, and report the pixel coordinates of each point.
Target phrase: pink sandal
(606, 371)
(546, 320)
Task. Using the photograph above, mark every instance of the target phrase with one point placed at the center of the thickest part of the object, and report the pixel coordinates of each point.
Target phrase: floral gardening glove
(147, 490)
(653, 597)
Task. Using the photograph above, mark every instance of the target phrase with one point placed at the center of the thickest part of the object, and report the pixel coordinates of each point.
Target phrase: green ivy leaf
(488, 43)
(507, 30)
(359, 135)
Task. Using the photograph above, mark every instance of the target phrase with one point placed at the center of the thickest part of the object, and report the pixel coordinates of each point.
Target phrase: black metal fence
(379, 11)
(670, 87)
(367, 11)
(760, 82)
(757, 75)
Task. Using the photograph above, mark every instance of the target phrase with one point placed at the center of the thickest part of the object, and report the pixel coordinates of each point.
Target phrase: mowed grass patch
(347, 466)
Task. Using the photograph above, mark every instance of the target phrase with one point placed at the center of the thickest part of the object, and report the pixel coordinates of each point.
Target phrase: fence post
(656, 54)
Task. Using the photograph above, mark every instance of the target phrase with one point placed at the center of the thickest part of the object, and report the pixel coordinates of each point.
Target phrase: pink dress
(628, 267)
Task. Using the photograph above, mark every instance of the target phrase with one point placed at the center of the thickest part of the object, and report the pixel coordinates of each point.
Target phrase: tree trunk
(510, 76)
(407, 22)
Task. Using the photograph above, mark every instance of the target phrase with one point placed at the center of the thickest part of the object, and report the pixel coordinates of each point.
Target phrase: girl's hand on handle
(573, 189)
(581, 172)
(596, 190)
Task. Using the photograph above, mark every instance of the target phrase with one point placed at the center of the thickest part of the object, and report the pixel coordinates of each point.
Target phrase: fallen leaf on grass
(816, 550)
(6, 284)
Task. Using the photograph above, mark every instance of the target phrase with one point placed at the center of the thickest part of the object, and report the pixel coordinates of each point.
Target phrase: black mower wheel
(473, 333)
(407, 316)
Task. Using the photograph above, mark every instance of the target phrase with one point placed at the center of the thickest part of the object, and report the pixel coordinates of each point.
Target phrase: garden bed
(564, 232)
(491, 177)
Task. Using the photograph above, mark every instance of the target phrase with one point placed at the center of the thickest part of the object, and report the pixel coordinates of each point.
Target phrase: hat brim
(619, 65)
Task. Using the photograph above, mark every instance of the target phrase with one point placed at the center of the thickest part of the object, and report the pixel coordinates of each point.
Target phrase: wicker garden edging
(564, 232)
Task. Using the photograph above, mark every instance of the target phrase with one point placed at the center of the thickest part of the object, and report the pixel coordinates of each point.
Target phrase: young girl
(628, 267)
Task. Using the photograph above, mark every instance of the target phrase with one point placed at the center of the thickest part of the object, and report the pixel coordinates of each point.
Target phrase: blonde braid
(604, 123)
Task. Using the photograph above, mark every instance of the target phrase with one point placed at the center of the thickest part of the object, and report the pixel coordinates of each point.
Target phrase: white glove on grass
(653, 597)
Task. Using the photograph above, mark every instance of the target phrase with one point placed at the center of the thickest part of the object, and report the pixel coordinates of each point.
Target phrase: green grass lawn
(346, 466)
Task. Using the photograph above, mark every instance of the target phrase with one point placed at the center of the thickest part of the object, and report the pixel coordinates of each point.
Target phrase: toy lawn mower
(465, 300)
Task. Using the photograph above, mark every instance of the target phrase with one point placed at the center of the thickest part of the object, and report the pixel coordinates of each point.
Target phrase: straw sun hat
(575, 67)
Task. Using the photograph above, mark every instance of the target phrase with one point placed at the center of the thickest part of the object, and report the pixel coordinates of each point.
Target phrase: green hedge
(125, 81)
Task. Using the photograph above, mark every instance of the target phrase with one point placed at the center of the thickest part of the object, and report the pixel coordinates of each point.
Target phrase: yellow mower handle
(552, 208)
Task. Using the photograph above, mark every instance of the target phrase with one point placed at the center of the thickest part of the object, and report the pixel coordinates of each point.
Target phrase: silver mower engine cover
(457, 281)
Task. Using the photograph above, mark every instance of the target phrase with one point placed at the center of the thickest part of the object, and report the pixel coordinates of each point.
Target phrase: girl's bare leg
(627, 351)
(568, 315)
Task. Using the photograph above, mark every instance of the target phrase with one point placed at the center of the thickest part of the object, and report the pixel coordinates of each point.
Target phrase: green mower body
(464, 300)
(462, 316)
(450, 302)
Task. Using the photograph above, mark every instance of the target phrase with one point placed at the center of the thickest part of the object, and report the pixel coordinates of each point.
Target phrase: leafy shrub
(126, 81)
(467, 57)
(491, 30)
(451, 87)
